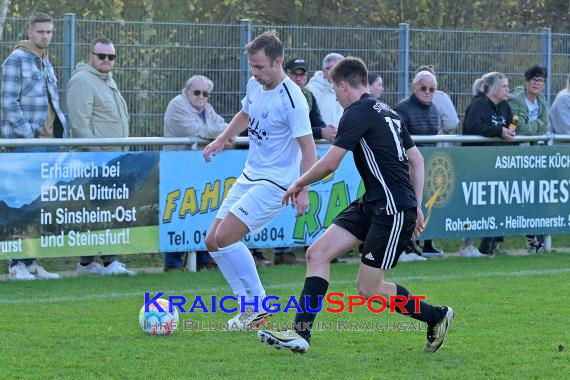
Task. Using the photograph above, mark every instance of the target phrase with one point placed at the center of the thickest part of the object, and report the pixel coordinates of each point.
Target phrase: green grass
(511, 322)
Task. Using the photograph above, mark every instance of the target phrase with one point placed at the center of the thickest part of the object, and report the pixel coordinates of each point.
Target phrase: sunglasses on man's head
(198, 93)
(425, 88)
(102, 56)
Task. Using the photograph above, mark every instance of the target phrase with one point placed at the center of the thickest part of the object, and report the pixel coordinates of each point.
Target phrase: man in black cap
(296, 69)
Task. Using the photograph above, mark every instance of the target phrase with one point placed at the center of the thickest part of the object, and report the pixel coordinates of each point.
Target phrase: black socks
(315, 289)
(426, 313)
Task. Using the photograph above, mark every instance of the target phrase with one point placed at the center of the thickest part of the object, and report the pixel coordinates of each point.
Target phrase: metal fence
(156, 59)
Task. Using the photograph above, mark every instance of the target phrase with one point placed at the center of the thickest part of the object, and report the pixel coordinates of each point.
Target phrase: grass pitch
(511, 322)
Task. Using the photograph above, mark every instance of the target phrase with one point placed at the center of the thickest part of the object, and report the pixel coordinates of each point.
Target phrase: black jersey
(378, 141)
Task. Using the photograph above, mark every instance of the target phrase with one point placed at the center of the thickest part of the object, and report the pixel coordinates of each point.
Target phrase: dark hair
(39, 17)
(352, 70)
(101, 40)
(372, 77)
(535, 71)
(269, 43)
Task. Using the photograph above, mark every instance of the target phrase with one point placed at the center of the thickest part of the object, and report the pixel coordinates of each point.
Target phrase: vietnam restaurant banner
(71, 204)
(496, 191)
(191, 192)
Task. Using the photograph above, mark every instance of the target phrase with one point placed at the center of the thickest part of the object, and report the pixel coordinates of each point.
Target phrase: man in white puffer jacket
(321, 87)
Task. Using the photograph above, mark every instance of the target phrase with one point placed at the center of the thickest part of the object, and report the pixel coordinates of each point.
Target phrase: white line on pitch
(298, 284)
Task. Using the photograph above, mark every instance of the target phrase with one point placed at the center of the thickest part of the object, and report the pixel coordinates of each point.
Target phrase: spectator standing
(375, 85)
(30, 109)
(448, 124)
(190, 114)
(560, 112)
(448, 119)
(321, 87)
(489, 115)
(420, 116)
(530, 106)
(97, 110)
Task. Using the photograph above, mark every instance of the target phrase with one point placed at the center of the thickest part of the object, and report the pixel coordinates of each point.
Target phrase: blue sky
(20, 179)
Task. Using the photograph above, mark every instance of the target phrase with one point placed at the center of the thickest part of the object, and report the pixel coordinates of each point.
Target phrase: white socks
(238, 267)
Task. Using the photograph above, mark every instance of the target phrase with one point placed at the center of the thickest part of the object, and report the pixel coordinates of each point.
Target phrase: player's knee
(211, 244)
(222, 239)
(315, 257)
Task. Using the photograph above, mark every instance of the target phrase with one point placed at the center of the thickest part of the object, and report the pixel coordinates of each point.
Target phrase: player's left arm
(309, 153)
(416, 163)
(326, 165)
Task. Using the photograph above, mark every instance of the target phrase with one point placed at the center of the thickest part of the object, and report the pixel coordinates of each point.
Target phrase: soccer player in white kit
(281, 147)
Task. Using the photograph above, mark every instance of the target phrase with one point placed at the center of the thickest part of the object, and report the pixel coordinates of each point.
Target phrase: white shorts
(255, 203)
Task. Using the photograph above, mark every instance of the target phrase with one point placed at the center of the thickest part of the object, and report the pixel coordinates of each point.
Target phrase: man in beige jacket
(97, 110)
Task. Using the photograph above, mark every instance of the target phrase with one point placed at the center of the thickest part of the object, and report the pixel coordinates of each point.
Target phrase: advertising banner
(191, 192)
(74, 204)
(496, 191)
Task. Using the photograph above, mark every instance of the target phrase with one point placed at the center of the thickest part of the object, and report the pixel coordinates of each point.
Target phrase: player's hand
(419, 223)
(329, 132)
(302, 202)
(291, 194)
(213, 148)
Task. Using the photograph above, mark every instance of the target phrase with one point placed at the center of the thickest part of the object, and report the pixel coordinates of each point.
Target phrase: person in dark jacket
(489, 115)
(417, 111)
(421, 117)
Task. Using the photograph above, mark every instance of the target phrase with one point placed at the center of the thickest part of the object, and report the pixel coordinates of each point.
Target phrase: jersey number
(396, 129)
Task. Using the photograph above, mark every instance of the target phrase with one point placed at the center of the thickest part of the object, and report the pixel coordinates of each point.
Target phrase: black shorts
(384, 236)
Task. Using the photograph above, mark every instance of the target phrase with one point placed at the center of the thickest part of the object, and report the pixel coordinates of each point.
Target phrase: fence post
(546, 55)
(404, 60)
(245, 37)
(68, 51)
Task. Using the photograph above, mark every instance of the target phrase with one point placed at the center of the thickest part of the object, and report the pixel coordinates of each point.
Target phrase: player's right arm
(326, 165)
(238, 124)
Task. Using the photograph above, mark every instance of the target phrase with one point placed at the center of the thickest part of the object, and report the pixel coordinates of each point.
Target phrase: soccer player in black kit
(384, 219)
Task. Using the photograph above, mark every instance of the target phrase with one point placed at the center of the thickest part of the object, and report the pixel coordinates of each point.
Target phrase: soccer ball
(156, 322)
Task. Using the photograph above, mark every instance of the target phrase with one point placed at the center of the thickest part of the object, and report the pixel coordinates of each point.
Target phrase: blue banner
(192, 191)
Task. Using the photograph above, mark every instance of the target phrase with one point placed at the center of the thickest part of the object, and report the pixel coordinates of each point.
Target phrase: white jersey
(276, 118)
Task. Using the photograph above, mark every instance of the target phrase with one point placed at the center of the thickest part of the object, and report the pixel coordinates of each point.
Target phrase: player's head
(40, 29)
(265, 56)
(350, 79)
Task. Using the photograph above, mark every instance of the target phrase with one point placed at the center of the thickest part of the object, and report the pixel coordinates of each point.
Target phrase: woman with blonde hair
(488, 115)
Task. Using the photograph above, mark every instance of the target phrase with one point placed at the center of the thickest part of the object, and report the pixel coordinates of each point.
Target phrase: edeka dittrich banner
(191, 192)
(72, 204)
(496, 191)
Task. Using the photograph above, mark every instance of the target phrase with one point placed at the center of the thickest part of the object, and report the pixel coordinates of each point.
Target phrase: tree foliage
(430, 14)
